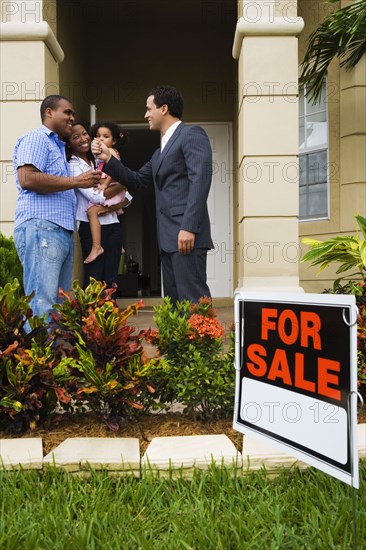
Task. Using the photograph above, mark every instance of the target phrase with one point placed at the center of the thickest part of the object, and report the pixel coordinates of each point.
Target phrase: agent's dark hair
(119, 135)
(68, 149)
(170, 96)
(51, 102)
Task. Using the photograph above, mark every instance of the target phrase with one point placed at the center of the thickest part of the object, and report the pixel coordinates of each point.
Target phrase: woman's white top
(85, 196)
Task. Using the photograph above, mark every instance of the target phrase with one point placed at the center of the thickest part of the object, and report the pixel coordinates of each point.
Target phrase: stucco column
(29, 58)
(265, 45)
(353, 143)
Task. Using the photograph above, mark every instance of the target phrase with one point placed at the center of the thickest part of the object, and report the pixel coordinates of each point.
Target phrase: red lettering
(300, 381)
(279, 367)
(255, 353)
(288, 315)
(325, 378)
(267, 325)
(310, 327)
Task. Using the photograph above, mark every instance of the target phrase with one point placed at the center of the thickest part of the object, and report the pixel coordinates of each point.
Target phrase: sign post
(296, 383)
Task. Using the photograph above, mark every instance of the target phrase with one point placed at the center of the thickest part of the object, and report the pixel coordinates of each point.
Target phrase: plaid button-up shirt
(43, 149)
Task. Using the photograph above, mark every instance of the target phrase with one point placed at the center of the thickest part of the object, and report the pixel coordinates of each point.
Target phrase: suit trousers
(184, 275)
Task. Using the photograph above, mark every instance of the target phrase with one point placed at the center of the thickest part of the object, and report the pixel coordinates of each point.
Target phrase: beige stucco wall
(28, 72)
(347, 146)
(265, 44)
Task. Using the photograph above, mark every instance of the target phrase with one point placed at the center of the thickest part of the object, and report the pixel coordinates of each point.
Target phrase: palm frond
(342, 34)
(362, 224)
(348, 251)
(363, 253)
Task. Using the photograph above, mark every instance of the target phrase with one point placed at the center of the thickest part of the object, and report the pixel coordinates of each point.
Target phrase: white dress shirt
(168, 134)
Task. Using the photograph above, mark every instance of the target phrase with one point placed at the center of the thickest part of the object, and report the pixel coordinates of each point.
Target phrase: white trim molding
(276, 26)
(15, 30)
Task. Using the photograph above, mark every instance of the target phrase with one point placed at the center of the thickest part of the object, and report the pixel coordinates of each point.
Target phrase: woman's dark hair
(170, 96)
(68, 150)
(117, 134)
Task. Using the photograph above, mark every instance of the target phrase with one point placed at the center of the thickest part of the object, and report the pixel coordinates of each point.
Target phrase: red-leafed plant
(27, 359)
(108, 373)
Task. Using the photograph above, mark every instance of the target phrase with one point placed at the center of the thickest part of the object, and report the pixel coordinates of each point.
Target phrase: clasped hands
(100, 150)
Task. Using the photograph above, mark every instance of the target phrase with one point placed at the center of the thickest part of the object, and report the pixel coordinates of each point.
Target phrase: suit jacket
(181, 175)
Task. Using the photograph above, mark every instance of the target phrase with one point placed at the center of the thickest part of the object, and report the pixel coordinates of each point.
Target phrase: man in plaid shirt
(45, 210)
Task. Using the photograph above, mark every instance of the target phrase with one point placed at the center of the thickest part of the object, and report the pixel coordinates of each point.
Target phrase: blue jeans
(46, 251)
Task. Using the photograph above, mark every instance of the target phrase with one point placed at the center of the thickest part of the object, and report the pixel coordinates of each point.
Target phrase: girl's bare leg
(95, 231)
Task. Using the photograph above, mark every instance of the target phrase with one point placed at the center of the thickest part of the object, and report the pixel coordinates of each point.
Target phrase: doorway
(139, 219)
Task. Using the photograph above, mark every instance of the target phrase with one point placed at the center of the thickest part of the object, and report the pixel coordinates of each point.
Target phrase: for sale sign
(296, 386)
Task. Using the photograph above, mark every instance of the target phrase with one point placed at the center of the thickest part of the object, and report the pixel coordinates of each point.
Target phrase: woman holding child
(97, 209)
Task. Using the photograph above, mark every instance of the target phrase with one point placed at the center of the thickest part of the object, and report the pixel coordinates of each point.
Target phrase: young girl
(114, 139)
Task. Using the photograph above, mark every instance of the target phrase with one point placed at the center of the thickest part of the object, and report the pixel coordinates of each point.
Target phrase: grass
(295, 510)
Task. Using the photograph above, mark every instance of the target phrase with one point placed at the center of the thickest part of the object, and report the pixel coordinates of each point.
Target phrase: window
(313, 158)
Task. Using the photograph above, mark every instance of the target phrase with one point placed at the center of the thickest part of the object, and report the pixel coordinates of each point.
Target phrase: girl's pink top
(120, 197)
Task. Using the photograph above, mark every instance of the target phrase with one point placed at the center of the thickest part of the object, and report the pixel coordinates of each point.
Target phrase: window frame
(315, 149)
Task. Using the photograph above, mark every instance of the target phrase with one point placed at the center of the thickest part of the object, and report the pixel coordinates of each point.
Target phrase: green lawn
(55, 510)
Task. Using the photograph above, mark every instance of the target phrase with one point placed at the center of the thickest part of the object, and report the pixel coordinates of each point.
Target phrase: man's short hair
(170, 96)
(51, 102)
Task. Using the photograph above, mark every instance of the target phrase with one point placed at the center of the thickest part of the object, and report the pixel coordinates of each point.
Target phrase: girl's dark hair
(117, 134)
(68, 150)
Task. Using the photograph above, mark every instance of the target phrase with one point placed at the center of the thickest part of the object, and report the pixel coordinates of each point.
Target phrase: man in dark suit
(181, 172)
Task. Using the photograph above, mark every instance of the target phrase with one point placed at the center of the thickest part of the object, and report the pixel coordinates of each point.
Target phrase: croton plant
(87, 358)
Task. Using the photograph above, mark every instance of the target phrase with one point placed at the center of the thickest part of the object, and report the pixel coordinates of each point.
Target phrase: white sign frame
(301, 430)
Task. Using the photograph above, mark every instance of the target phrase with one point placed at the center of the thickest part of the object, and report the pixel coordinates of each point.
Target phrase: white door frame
(226, 171)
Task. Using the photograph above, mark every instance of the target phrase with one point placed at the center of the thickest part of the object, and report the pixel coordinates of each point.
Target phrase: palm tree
(342, 34)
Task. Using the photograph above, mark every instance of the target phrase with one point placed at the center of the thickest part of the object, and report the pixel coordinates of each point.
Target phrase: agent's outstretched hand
(100, 150)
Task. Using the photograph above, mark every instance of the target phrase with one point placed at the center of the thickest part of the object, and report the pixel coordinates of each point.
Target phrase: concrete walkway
(165, 456)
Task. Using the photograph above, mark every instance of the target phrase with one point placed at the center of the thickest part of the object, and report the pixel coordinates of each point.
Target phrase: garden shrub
(358, 289)
(10, 266)
(197, 371)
